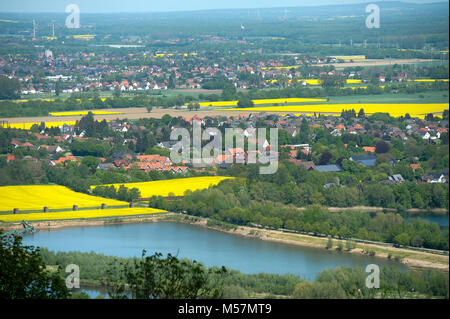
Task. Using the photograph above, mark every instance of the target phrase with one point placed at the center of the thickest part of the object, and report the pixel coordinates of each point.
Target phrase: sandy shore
(411, 258)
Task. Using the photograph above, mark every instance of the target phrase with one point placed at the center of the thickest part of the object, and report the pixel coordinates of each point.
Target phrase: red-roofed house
(63, 160)
(369, 149)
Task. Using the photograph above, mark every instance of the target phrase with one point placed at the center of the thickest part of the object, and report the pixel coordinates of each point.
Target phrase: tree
(319, 290)
(402, 239)
(325, 158)
(154, 277)
(329, 243)
(117, 92)
(245, 102)
(382, 147)
(149, 109)
(172, 81)
(349, 245)
(90, 161)
(9, 88)
(380, 195)
(229, 92)
(361, 113)
(58, 87)
(329, 81)
(87, 124)
(23, 273)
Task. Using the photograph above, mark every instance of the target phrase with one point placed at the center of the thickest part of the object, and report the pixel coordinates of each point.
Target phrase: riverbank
(370, 209)
(410, 258)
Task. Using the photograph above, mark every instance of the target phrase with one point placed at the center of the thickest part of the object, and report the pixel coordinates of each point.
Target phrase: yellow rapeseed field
(82, 214)
(36, 197)
(27, 126)
(311, 81)
(219, 103)
(287, 100)
(353, 81)
(75, 113)
(395, 110)
(175, 186)
(264, 101)
(318, 81)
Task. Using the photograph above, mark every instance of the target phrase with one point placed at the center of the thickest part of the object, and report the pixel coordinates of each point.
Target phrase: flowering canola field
(27, 126)
(317, 81)
(83, 214)
(36, 197)
(264, 101)
(175, 186)
(395, 110)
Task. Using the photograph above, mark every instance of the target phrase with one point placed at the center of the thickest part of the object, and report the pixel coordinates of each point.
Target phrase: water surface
(213, 248)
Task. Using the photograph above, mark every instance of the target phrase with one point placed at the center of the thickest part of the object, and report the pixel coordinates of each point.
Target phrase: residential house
(435, 178)
(106, 166)
(328, 168)
(366, 160)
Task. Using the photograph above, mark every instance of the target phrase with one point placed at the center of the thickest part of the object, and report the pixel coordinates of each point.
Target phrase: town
(186, 151)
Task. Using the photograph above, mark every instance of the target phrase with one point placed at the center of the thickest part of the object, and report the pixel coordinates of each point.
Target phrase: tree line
(242, 203)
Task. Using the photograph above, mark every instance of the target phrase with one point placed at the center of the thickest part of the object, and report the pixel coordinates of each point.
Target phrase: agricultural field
(261, 102)
(82, 113)
(395, 110)
(28, 125)
(175, 186)
(400, 98)
(84, 214)
(55, 197)
(318, 81)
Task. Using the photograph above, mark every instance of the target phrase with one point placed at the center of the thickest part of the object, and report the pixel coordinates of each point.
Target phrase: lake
(211, 247)
(441, 220)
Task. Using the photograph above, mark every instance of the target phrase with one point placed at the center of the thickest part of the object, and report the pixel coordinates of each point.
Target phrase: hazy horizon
(133, 6)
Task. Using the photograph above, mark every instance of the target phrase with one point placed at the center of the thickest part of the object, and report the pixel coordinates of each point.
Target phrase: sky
(116, 6)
